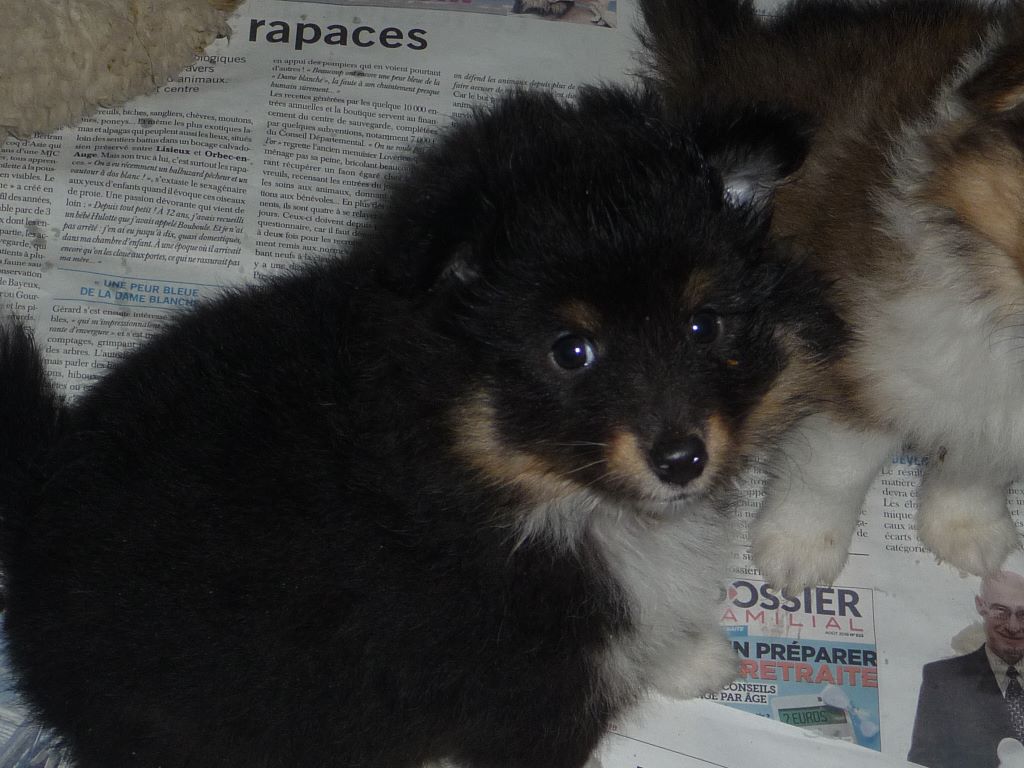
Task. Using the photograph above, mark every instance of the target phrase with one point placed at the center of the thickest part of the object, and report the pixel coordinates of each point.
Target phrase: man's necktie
(1015, 701)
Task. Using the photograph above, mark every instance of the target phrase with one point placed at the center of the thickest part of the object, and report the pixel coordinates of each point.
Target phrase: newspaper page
(276, 146)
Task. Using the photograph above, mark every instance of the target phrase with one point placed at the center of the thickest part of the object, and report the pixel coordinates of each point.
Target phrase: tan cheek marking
(626, 460)
(478, 442)
(773, 414)
(718, 439)
(800, 385)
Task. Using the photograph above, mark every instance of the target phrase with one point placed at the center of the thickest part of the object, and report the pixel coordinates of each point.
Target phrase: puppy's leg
(705, 663)
(802, 534)
(962, 517)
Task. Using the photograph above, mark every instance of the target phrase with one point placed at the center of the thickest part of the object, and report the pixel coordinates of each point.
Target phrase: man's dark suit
(961, 714)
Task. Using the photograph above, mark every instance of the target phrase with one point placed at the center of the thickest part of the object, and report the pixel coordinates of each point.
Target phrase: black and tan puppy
(911, 202)
(450, 499)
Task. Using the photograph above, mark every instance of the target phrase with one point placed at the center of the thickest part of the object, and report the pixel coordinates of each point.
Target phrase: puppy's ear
(439, 219)
(979, 165)
(449, 214)
(755, 150)
(997, 88)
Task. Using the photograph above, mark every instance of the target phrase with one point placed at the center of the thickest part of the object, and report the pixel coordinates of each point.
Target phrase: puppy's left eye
(705, 326)
(573, 352)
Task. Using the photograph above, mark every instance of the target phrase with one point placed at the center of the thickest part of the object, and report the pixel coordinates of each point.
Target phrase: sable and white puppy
(449, 499)
(912, 203)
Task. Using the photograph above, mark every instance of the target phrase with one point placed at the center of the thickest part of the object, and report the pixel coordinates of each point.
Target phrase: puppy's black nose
(679, 460)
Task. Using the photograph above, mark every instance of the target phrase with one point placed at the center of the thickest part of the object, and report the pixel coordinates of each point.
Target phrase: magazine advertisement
(808, 660)
(276, 147)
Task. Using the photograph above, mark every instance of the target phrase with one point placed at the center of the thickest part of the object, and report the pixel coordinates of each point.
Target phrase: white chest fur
(672, 571)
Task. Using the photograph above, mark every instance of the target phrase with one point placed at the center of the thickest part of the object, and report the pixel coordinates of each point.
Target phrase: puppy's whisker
(583, 467)
(599, 479)
(569, 444)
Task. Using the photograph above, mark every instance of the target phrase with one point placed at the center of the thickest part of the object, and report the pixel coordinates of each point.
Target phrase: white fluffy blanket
(61, 59)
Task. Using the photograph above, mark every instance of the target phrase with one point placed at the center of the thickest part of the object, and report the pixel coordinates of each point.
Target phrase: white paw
(792, 559)
(969, 528)
(1010, 753)
(705, 667)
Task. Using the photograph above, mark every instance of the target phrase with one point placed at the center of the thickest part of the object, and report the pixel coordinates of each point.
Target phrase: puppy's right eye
(573, 352)
(705, 326)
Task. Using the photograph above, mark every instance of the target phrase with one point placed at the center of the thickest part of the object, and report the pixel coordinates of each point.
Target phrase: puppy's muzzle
(678, 460)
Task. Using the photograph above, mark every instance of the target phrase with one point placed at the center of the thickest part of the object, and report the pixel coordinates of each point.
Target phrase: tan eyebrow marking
(580, 315)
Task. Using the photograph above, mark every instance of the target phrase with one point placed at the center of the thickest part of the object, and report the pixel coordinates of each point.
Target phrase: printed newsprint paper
(276, 147)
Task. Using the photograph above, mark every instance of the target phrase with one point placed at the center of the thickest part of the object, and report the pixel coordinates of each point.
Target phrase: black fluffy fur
(257, 541)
